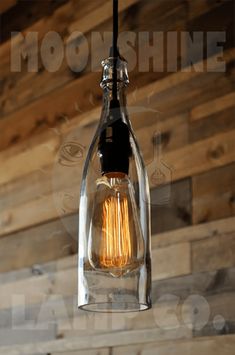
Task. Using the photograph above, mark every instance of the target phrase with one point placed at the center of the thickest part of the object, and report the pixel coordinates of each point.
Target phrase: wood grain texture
(47, 123)
(35, 289)
(197, 158)
(214, 253)
(99, 341)
(213, 106)
(164, 261)
(44, 181)
(184, 162)
(202, 156)
(174, 303)
(97, 16)
(57, 239)
(168, 312)
(205, 346)
(193, 233)
(42, 116)
(181, 294)
(215, 123)
(39, 245)
(168, 96)
(24, 13)
(210, 254)
(170, 204)
(213, 194)
(150, 93)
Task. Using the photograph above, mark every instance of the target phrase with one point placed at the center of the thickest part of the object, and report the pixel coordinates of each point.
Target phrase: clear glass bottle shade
(114, 267)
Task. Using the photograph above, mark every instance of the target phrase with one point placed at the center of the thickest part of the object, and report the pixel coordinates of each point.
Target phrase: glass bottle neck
(114, 100)
(109, 104)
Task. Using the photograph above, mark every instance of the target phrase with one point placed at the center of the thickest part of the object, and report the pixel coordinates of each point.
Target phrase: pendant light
(114, 266)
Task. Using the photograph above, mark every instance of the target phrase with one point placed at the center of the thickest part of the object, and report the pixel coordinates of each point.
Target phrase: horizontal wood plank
(141, 99)
(99, 341)
(39, 245)
(213, 194)
(154, 95)
(214, 253)
(218, 122)
(85, 352)
(181, 294)
(217, 105)
(165, 262)
(35, 289)
(18, 249)
(170, 204)
(202, 156)
(64, 283)
(204, 346)
(20, 94)
(193, 233)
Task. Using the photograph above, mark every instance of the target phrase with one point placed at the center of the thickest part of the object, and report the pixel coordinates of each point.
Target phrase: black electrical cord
(114, 49)
(114, 142)
(115, 28)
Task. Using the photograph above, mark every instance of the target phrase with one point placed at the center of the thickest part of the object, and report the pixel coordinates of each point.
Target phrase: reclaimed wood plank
(62, 283)
(213, 194)
(24, 13)
(214, 253)
(42, 183)
(215, 315)
(8, 337)
(165, 262)
(153, 95)
(218, 122)
(19, 94)
(36, 289)
(104, 351)
(38, 245)
(170, 205)
(204, 284)
(202, 156)
(217, 105)
(62, 236)
(98, 16)
(66, 262)
(195, 232)
(49, 116)
(65, 231)
(204, 346)
(99, 341)
(212, 287)
(190, 160)
(171, 210)
(59, 20)
(181, 294)
(140, 98)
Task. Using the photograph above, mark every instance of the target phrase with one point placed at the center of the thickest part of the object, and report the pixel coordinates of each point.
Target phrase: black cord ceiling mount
(114, 52)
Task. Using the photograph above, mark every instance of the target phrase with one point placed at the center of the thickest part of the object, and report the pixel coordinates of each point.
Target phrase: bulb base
(114, 143)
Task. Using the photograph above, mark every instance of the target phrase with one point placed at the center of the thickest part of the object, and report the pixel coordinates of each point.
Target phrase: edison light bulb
(115, 242)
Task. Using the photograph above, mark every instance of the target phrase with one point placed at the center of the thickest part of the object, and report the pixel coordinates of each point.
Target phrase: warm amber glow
(115, 248)
(115, 243)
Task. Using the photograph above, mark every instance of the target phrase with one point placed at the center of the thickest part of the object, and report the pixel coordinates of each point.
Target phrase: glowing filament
(116, 247)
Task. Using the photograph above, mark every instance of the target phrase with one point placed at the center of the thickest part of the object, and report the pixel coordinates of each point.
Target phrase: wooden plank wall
(47, 121)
